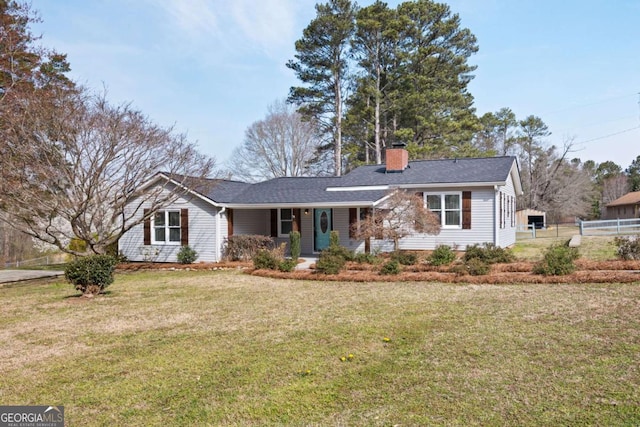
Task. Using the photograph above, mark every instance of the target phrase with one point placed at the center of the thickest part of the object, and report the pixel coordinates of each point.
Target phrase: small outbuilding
(527, 217)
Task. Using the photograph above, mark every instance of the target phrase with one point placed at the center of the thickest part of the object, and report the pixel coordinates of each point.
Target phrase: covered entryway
(322, 225)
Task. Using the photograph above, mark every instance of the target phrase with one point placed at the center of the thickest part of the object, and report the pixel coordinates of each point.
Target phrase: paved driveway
(8, 276)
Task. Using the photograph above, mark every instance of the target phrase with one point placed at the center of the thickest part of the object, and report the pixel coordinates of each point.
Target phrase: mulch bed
(516, 272)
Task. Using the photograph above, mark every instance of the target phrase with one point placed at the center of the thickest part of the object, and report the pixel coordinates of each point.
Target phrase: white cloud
(268, 23)
(266, 27)
(196, 18)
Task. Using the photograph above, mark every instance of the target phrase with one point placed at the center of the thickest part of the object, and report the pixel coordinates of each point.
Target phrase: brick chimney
(396, 158)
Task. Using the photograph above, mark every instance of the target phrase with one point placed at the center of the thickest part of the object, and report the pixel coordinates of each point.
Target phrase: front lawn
(226, 348)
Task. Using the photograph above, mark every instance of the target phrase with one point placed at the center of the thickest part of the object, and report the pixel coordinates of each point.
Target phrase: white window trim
(166, 229)
(280, 234)
(443, 210)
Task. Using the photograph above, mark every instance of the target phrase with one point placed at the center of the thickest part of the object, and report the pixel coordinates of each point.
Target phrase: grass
(223, 348)
(597, 248)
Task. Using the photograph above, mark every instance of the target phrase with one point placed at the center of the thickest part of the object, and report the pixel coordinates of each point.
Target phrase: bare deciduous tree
(281, 144)
(614, 187)
(401, 214)
(561, 188)
(76, 168)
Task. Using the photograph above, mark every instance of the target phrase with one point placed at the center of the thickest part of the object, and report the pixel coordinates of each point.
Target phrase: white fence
(45, 260)
(610, 226)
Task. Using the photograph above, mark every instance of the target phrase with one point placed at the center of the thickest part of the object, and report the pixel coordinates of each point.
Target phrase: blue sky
(211, 67)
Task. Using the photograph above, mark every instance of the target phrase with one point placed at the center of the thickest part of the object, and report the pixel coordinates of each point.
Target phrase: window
(166, 227)
(447, 207)
(286, 222)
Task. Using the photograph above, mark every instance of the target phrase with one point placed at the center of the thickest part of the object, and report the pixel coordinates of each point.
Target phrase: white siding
(481, 231)
(507, 235)
(202, 235)
(254, 221)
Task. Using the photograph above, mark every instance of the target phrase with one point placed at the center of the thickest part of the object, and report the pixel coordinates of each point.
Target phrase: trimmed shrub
(246, 247)
(334, 238)
(287, 265)
(91, 274)
(265, 260)
(339, 251)
(362, 258)
(476, 267)
(391, 267)
(628, 248)
(329, 263)
(404, 258)
(442, 255)
(557, 261)
(489, 253)
(294, 245)
(186, 255)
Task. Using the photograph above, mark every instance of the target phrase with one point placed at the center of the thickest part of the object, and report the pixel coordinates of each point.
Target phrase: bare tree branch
(401, 214)
(75, 167)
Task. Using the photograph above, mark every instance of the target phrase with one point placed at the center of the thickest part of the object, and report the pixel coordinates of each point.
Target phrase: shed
(526, 217)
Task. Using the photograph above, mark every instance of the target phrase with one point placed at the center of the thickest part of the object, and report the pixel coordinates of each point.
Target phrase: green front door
(322, 228)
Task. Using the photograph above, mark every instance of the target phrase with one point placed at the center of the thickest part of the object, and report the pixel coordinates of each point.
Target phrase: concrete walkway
(306, 262)
(11, 276)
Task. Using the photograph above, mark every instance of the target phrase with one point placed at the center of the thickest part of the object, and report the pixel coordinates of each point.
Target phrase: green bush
(246, 247)
(362, 258)
(334, 238)
(404, 258)
(489, 253)
(186, 255)
(628, 249)
(329, 263)
(442, 255)
(557, 261)
(294, 244)
(476, 267)
(91, 274)
(265, 260)
(287, 265)
(339, 251)
(390, 267)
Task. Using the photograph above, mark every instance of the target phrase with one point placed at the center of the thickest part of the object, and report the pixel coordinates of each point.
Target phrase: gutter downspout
(217, 252)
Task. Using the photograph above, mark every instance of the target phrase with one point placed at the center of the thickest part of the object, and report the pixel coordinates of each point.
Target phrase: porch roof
(302, 191)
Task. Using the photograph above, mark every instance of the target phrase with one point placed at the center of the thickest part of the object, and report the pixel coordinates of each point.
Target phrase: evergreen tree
(435, 114)
(322, 65)
(633, 175)
(531, 144)
(375, 45)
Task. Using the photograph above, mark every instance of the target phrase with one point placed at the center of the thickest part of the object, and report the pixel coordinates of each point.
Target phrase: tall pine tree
(322, 66)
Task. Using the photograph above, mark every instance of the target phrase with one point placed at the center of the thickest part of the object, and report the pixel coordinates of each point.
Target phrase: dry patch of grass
(225, 348)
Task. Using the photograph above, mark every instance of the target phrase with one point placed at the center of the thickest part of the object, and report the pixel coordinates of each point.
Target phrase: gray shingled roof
(302, 190)
(224, 191)
(446, 171)
(307, 190)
